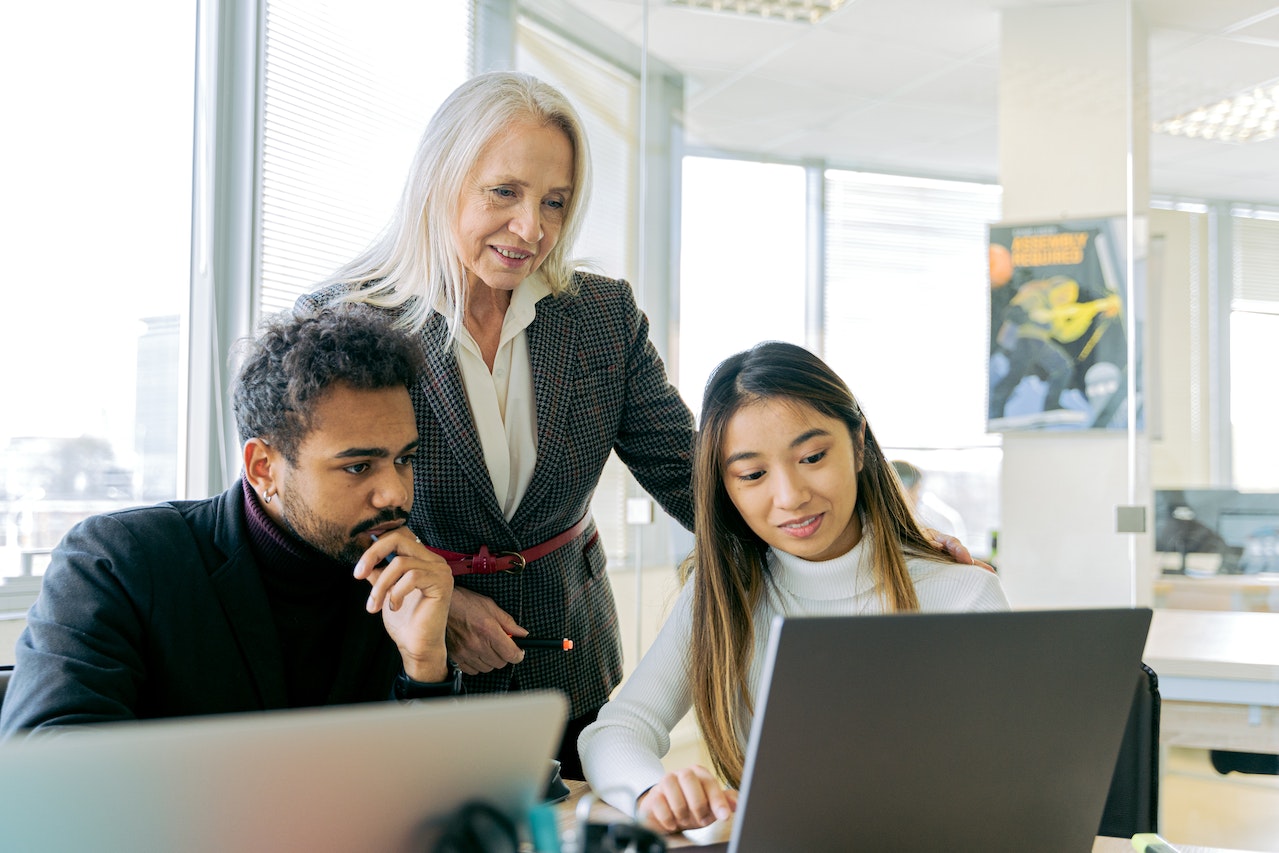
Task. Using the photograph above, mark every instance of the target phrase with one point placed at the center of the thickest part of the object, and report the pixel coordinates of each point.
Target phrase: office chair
(1132, 806)
(1226, 761)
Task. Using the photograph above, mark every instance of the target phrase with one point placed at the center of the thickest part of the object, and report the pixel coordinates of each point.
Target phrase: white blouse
(501, 401)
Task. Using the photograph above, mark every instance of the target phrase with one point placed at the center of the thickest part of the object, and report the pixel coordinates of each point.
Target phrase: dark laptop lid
(926, 732)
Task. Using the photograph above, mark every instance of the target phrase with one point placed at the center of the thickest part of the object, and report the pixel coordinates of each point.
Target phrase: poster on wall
(1059, 326)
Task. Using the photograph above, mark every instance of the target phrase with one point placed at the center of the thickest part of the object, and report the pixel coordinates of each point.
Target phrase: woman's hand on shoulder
(479, 633)
(687, 799)
(955, 548)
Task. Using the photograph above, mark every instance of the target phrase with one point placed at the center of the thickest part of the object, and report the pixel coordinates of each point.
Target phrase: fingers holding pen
(396, 564)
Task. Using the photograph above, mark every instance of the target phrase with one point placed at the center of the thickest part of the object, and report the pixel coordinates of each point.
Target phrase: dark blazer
(160, 612)
(599, 386)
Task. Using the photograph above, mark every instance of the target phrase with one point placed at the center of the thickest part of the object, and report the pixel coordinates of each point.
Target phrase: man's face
(354, 471)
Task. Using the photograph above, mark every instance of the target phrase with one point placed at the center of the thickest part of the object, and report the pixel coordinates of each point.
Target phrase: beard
(329, 537)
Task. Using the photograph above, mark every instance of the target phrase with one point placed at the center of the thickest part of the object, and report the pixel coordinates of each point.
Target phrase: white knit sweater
(621, 752)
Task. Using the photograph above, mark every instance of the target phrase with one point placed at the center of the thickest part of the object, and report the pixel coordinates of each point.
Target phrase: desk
(604, 813)
(1218, 592)
(1218, 678)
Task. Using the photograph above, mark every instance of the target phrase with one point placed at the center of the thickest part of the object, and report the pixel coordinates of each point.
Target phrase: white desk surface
(1214, 644)
(1218, 678)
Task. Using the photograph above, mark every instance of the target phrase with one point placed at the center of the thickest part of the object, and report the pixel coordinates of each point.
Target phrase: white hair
(413, 265)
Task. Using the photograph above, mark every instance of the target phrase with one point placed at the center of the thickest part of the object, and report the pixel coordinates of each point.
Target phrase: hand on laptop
(687, 799)
(413, 592)
(479, 633)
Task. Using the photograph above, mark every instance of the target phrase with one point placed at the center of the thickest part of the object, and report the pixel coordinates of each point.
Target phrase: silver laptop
(380, 777)
(927, 732)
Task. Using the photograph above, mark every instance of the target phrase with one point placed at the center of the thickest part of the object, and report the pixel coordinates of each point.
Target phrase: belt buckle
(517, 561)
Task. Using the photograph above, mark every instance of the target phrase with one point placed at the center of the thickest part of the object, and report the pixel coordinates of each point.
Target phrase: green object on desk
(544, 828)
(1151, 843)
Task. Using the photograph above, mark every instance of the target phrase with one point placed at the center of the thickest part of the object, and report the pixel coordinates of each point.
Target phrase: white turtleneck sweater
(621, 752)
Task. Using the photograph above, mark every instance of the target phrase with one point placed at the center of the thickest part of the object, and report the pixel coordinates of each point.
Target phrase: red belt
(487, 562)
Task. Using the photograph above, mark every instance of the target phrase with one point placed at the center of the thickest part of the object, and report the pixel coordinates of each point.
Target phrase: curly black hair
(300, 355)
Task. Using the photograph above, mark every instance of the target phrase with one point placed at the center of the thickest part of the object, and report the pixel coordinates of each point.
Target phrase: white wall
(1070, 125)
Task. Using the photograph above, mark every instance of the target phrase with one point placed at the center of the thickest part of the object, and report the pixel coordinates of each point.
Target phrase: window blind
(906, 303)
(1256, 261)
(348, 87)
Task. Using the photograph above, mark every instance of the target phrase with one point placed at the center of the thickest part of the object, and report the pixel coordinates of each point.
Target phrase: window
(743, 263)
(348, 89)
(1254, 349)
(96, 216)
(906, 303)
(906, 326)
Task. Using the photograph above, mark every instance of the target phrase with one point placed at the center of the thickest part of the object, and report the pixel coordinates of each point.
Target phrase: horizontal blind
(906, 310)
(347, 89)
(1256, 261)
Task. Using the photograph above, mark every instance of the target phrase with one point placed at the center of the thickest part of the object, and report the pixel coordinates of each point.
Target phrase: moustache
(388, 514)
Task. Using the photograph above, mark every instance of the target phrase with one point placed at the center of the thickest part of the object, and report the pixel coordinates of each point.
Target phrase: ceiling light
(1249, 116)
(804, 11)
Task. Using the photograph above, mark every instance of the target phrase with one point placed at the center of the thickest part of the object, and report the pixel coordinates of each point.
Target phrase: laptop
(380, 777)
(927, 732)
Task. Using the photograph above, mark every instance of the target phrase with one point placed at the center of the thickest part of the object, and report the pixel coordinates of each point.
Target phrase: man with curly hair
(301, 585)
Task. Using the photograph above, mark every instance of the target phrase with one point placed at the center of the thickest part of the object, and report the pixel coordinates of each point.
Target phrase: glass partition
(838, 168)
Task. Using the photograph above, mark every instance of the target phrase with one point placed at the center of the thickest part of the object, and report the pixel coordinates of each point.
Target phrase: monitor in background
(381, 777)
(1186, 531)
(1216, 531)
(926, 732)
(1256, 535)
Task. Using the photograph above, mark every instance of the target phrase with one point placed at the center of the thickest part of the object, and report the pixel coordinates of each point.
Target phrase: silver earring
(266, 496)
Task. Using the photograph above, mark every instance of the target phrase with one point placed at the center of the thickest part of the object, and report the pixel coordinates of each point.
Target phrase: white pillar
(1073, 139)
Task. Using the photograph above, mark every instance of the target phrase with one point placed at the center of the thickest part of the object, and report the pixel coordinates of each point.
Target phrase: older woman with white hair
(535, 373)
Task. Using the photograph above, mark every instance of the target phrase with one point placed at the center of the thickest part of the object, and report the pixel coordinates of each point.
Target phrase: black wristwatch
(404, 688)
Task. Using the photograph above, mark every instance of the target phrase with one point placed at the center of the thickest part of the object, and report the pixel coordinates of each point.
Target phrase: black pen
(543, 643)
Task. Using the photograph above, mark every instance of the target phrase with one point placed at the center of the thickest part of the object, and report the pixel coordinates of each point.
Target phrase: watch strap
(405, 688)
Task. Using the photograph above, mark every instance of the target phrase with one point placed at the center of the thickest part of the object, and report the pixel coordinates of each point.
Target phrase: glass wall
(95, 222)
(838, 174)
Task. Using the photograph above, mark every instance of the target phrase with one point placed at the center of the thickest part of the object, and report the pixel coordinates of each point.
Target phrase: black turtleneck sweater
(318, 606)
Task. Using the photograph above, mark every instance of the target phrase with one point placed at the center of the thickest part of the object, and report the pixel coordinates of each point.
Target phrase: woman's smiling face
(511, 209)
(792, 474)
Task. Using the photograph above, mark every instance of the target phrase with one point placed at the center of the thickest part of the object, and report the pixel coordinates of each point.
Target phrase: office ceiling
(912, 85)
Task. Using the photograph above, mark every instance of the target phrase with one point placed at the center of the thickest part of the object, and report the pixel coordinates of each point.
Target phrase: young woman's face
(792, 474)
(512, 205)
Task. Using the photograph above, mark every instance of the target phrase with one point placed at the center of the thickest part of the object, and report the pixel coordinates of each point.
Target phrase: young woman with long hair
(797, 512)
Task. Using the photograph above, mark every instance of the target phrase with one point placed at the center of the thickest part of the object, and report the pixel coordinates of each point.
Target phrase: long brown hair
(728, 567)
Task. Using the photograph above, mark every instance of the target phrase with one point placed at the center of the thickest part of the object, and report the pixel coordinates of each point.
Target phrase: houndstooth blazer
(598, 385)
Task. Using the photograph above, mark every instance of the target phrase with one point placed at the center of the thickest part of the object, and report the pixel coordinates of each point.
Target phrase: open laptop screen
(926, 732)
